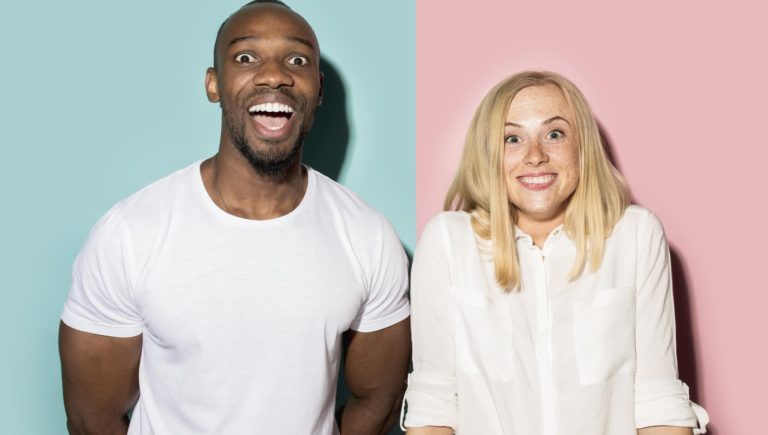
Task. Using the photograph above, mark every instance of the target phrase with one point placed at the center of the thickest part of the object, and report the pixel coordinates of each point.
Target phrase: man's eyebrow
(548, 121)
(300, 40)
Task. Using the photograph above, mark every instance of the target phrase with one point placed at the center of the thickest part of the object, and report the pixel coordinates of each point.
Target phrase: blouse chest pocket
(604, 332)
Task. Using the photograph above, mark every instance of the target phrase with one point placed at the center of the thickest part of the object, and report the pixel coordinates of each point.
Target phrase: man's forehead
(266, 19)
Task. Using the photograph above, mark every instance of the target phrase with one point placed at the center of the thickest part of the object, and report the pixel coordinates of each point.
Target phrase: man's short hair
(221, 27)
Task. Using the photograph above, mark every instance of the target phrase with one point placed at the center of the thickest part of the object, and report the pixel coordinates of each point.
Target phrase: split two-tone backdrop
(102, 97)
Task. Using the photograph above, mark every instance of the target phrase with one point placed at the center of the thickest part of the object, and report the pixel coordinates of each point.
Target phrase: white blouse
(590, 356)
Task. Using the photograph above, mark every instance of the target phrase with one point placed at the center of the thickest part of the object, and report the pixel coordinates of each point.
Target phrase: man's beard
(270, 162)
(273, 161)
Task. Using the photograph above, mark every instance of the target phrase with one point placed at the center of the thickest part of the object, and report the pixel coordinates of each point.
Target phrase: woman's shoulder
(638, 218)
(451, 219)
(447, 228)
(449, 222)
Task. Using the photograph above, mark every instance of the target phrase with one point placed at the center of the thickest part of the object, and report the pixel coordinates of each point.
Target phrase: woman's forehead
(545, 100)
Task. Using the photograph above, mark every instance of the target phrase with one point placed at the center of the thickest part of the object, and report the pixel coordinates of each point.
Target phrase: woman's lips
(537, 181)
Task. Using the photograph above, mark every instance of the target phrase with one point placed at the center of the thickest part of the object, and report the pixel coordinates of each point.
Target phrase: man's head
(266, 77)
(221, 27)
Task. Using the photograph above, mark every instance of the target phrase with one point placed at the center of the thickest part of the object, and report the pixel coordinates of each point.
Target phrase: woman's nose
(535, 155)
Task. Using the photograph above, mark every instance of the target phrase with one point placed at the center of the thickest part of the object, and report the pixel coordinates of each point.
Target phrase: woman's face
(541, 155)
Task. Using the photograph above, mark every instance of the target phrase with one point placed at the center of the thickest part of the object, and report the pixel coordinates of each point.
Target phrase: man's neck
(237, 188)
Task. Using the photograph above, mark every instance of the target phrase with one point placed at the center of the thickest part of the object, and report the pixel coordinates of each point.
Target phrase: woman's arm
(431, 399)
(432, 430)
(662, 405)
(665, 430)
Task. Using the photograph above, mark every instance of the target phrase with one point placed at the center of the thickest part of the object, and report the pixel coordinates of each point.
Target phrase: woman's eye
(244, 58)
(298, 60)
(555, 134)
(512, 139)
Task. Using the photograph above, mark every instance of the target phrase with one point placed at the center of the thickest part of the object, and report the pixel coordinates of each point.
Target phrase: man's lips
(537, 181)
(272, 115)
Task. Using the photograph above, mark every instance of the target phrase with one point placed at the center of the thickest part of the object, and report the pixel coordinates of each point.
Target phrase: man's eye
(555, 134)
(512, 139)
(298, 60)
(244, 58)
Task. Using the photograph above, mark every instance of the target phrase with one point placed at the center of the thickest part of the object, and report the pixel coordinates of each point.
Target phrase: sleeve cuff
(667, 404)
(381, 323)
(80, 324)
(429, 401)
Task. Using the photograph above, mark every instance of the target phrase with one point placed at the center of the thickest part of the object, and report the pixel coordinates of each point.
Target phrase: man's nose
(273, 74)
(535, 155)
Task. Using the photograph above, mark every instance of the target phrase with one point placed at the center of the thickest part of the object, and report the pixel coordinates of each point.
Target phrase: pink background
(680, 89)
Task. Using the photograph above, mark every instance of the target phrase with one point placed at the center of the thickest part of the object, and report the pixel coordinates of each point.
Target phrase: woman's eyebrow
(545, 122)
(555, 118)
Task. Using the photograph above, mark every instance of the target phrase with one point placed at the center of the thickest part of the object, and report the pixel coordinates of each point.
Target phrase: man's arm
(100, 377)
(376, 367)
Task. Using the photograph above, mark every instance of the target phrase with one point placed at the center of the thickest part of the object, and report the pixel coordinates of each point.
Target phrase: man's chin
(271, 158)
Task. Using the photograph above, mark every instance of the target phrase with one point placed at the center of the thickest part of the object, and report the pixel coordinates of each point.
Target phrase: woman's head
(533, 151)
(540, 157)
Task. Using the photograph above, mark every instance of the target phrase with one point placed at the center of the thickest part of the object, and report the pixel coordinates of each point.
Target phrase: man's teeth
(543, 179)
(270, 108)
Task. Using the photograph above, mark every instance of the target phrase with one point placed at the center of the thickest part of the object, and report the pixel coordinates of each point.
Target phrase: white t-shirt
(592, 356)
(241, 319)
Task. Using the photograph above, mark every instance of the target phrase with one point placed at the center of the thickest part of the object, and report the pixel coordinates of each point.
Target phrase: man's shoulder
(135, 223)
(146, 214)
(344, 201)
(160, 195)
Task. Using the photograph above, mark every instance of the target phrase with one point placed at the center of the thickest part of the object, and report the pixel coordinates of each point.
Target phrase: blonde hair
(598, 202)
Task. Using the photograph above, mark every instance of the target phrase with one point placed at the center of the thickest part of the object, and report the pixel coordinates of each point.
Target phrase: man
(215, 299)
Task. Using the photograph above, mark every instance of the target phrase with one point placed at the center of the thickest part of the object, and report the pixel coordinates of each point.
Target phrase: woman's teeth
(542, 179)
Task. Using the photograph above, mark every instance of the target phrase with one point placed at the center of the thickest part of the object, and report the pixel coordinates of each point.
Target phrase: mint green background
(99, 98)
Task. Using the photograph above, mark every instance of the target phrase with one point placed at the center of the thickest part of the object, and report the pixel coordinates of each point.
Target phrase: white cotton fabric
(593, 356)
(241, 319)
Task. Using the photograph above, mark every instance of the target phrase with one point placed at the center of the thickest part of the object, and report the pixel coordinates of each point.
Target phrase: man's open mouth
(272, 116)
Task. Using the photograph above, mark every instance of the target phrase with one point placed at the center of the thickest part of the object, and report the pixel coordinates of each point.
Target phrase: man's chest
(248, 289)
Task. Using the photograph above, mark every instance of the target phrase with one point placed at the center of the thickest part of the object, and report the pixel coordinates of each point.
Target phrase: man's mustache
(265, 91)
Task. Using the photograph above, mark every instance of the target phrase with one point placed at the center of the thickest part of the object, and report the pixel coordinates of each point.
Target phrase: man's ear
(211, 85)
(322, 82)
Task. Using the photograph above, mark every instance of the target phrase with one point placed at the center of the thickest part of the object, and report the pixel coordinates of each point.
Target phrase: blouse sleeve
(431, 396)
(661, 399)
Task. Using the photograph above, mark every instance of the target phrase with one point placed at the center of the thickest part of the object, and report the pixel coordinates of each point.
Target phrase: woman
(543, 303)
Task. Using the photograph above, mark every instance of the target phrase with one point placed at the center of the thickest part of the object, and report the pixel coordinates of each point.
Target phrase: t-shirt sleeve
(386, 301)
(661, 398)
(100, 299)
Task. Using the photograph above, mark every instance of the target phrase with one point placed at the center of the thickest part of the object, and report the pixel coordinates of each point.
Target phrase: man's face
(268, 83)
